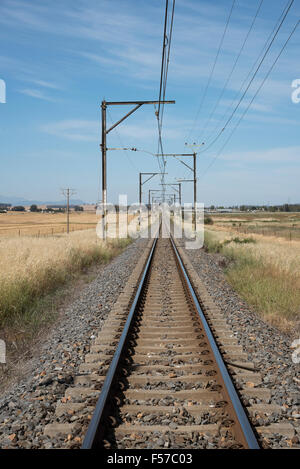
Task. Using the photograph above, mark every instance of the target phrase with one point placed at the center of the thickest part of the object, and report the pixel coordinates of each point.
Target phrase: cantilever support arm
(123, 118)
(154, 174)
(188, 166)
(175, 155)
(174, 188)
(172, 185)
(138, 105)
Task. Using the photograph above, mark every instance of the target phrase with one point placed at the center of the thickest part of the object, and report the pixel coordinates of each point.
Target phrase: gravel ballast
(27, 406)
(267, 347)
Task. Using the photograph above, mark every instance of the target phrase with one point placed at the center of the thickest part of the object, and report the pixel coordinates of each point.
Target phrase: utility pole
(103, 147)
(171, 198)
(105, 131)
(194, 180)
(149, 193)
(67, 193)
(141, 182)
(195, 186)
(194, 204)
(177, 190)
(150, 204)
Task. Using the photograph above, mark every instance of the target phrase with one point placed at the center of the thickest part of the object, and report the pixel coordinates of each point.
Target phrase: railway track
(167, 381)
(155, 374)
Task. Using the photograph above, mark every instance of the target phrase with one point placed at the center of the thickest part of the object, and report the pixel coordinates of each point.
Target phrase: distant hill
(22, 201)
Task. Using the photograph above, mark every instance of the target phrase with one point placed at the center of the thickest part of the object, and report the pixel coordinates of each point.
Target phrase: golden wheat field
(283, 254)
(265, 271)
(44, 224)
(284, 225)
(32, 267)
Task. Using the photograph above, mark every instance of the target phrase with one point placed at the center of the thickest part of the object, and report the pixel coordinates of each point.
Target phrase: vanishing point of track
(167, 374)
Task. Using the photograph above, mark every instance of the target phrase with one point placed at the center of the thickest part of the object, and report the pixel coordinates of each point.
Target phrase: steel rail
(90, 439)
(97, 425)
(235, 400)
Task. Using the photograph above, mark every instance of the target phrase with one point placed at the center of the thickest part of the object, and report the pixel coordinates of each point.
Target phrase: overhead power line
(251, 81)
(212, 70)
(163, 58)
(167, 61)
(227, 110)
(121, 143)
(167, 39)
(233, 68)
(253, 98)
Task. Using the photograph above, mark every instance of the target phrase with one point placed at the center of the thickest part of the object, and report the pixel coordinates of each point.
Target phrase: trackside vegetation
(267, 276)
(33, 268)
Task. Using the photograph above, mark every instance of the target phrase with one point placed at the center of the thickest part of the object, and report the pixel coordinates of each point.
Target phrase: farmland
(32, 268)
(279, 225)
(44, 224)
(262, 267)
(37, 257)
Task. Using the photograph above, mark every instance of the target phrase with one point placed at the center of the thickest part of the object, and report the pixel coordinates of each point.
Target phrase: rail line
(167, 375)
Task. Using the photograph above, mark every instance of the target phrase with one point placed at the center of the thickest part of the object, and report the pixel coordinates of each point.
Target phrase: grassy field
(18, 224)
(32, 268)
(265, 271)
(279, 225)
(44, 224)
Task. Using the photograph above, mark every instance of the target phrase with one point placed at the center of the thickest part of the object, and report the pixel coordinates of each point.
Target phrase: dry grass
(44, 224)
(275, 251)
(47, 224)
(273, 225)
(31, 268)
(266, 272)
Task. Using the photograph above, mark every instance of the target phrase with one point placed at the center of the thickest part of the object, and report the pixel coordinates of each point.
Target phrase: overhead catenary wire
(233, 68)
(163, 58)
(253, 98)
(164, 70)
(163, 82)
(251, 80)
(212, 70)
(167, 39)
(227, 110)
(167, 61)
(121, 143)
(161, 163)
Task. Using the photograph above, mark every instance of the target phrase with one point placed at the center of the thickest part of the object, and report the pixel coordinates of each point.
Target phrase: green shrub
(208, 220)
(239, 240)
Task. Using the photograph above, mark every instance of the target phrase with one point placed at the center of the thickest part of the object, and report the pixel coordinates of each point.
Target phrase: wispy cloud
(130, 62)
(34, 93)
(104, 47)
(270, 118)
(225, 103)
(129, 42)
(87, 130)
(45, 84)
(74, 129)
(279, 155)
(146, 132)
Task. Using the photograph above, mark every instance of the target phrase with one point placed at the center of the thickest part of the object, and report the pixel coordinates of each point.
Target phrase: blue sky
(59, 59)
